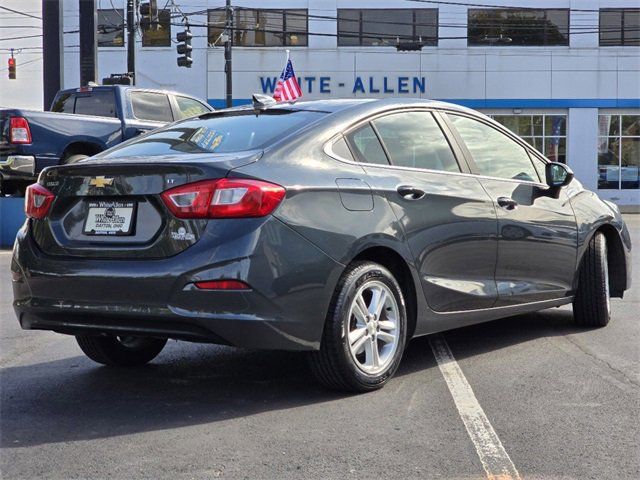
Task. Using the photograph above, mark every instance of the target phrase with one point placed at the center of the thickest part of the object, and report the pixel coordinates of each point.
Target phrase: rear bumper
(16, 166)
(292, 283)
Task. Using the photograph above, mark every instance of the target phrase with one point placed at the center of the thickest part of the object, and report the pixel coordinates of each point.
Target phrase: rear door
(537, 228)
(448, 219)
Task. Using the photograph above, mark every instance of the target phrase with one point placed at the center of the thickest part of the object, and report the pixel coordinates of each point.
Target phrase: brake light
(222, 285)
(19, 131)
(224, 198)
(37, 201)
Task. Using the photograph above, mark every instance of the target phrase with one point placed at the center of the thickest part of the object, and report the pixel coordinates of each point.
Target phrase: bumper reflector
(222, 285)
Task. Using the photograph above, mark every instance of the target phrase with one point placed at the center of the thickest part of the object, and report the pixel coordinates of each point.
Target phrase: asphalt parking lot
(564, 403)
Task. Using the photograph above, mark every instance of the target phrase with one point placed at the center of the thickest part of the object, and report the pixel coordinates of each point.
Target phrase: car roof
(350, 104)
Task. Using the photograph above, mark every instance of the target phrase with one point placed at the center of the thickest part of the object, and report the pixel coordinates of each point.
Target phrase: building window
(157, 33)
(618, 151)
(502, 27)
(110, 28)
(261, 27)
(380, 27)
(619, 27)
(545, 133)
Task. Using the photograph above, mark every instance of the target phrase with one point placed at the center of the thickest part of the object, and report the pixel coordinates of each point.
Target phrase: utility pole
(88, 42)
(227, 54)
(52, 71)
(131, 40)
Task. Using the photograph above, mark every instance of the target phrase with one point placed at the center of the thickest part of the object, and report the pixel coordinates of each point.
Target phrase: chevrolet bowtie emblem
(100, 181)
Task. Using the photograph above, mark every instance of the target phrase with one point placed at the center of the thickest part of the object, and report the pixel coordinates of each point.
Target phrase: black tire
(120, 351)
(591, 304)
(334, 365)
(73, 158)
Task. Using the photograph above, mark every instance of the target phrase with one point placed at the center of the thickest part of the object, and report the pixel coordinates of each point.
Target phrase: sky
(26, 90)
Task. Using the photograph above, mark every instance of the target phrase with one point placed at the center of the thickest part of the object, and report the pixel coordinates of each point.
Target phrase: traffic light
(12, 68)
(184, 49)
(149, 15)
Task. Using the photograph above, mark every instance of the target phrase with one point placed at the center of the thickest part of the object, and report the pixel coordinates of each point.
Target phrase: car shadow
(73, 399)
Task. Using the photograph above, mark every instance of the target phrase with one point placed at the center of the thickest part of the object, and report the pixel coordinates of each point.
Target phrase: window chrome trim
(328, 150)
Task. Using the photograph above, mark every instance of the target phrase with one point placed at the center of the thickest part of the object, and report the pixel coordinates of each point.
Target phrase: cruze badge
(100, 181)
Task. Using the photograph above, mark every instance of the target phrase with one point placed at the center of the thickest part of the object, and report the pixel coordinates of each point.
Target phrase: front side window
(226, 132)
(110, 28)
(375, 27)
(494, 153)
(261, 27)
(513, 27)
(545, 133)
(618, 151)
(157, 32)
(619, 27)
(188, 107)
(151, 106)
(414, 139)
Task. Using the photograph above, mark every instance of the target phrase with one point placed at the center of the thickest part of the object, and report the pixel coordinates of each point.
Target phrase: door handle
(411, 193)
(507, 203)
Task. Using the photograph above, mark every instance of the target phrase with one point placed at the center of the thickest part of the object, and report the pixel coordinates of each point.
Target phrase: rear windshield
(228, 132)
(101, 103)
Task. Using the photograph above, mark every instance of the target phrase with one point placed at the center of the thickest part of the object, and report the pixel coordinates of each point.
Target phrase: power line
(20, 13)
(484, 5)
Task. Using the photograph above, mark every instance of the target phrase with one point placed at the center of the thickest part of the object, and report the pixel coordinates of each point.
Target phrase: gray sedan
(344, 228)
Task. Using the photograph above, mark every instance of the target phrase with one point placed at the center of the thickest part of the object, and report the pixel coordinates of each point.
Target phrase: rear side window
(188, 107)
(223, 133)
(98, 102)
(64, 103)
(151, 106)
(494, 153)
(414, 139)
(101, 103)
(366, 145)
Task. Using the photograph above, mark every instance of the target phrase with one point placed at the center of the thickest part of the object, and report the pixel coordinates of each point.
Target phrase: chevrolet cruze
(344, 228)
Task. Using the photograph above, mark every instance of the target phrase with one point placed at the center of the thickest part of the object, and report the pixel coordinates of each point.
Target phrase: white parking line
(494, 458)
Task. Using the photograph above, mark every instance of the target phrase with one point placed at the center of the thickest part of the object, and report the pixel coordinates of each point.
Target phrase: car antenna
(262, 102)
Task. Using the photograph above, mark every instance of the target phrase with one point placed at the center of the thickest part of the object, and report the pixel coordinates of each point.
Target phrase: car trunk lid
(107, 208)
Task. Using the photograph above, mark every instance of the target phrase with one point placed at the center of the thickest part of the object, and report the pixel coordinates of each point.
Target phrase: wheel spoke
(362, 305)
(357, 346)
(387, 325)
(376, 354)
(360, 314)
(386, 337)
(355, 335)
(382, 300)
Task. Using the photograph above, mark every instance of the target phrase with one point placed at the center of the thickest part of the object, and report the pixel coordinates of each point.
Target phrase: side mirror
(558, 174)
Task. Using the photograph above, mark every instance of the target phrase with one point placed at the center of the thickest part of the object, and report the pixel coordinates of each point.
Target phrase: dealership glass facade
(517, 27)
(261, 27)
(618, 151)
(377, 27)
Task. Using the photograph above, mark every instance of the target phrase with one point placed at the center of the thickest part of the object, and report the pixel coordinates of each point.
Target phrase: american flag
(287, 88)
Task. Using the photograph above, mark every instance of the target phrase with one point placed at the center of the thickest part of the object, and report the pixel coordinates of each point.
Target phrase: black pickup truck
(81, 123)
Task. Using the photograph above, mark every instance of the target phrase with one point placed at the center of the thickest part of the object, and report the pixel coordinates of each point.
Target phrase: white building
(565, 74)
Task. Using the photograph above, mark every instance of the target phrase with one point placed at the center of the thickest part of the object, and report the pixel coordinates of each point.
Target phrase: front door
(448, 219)
(536, 226)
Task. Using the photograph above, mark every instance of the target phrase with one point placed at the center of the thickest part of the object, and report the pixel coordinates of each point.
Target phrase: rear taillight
(19, 131)
(37, 201)
(224, 198)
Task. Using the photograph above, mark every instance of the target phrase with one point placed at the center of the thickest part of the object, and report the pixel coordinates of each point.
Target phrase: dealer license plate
(109, 218)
